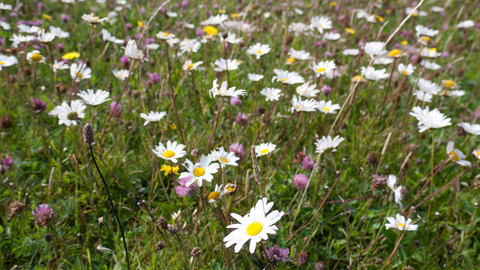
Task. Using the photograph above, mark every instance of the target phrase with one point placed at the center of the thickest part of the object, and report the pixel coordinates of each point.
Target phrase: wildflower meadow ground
(141, 134)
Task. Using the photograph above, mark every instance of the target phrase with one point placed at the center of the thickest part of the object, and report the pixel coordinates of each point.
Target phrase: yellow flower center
(72, 116)
(453, 155)
(254, 228)
(190, 67)
(350, 30)
(264, 151)
(259, 52)
(425, 39)
(168, 154)
(214, 195)
(283, 79)
(405, 72)
(166, 34)
(271, 95)
(326, 109)
(45, 16)
(404, 42)
(120, 75)
(380, 19)
(210, 30)
(478, 153)
(394, 53)
(199, 171)
(320, 70)
(333, 4)
(230, 188)
(319, 25)
(36, 57)
(298, 107)
(234, 15)
(223, 160)
(400, 224)
(448, 83)
(433, 50)
(291, 60)
(79, 75)
(2, 63)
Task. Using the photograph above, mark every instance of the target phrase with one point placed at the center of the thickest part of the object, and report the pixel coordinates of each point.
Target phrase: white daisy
(189, 65)
(391, 181)
(374, 75)
(406, 70)
(6, 61)
(299, 105)
(231, 38)
(426, 52)
(473, 129)
(5, 6)
(214, 196)
(106, 36)
(287, 77)
(271, 94)
(430, 65)
(45, 37)
(456, 93)
(121, 74)
(224, 91)
(35, 57)
(424, 31)
(67, 115)
(229, 65)
(476, 153)
(94, 98)
(173, 151)
(307, 90)
(258, 49)
(173, 41)
(351, 52)
(224, 158)
(132, 51)
(264, 149)
(320, 23)
(428, 86)
(165, 35)
(199, 171)
(153, 117)
(17, 39)
(374, 48)
(255, 77)
(299, 28)
(383, 61)
(457, 155)
(399, 223)
(58, 32)
(323, 67)
(327, 107)
(466, 24)
(23, 28)
(429, 119)
(80, 74)
(5, 25)
(93, 20)
(297, 55)
(332, 36)
(423, 96)
(214, 20)
(326, 144)
(254, 226)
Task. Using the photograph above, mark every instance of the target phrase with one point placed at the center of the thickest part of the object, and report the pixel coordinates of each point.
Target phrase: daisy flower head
(454, 93)
(165, 35)
(68, 115)
(299, 28)
(132, 51)
(189, 65)
(258, 49)
(327, 107)
(391, 181)
(121, 74)
(17, 39)
(456, 155)
(172, 41)
(308, 90)
(6, 61)
(320, 23)
(476, 153)
(287, 77)
(173, 151)
(264, 149)
(374, 75)
(35, 57)
(106, 36)
(331, 36)
(93, 20)
(189, 45)
(322, 67)
(430, 65)
(400, 223)
(351, 52)
(231, 38)
(426, 52)
(466, 24)
(198, 172)
(222, 65)
(215, 195)
(299, 105)
(383, 61)
(297, 55)
(473, 129)
(271, 94)
(224, 91)
(429, 119)
(425, 31)
(254, 226)
(327, 144)
(423, 96)
(23, 28)
(80, 72)
(358, 78)
(214, 20)
(152, 117)
(406, 70)
(58, 65)
(375, 19)
(396, 53)
(45, 37)
(255, 77)
(94, 98)
(374, 48)
(450, 84)
(224, 158)
(428, 86)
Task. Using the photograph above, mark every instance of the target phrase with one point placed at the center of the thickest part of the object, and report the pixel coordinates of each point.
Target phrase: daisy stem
(215, 126)
(81, 66)
(431, 191)
(183, 249)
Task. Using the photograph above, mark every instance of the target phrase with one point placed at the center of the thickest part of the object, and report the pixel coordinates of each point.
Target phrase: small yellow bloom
(221, 11)
(358, 78)
(71, 55)
(169, 169)
(380, 19)
(46, 17)
(171, 126)
(388, 11)
(333, 4)
(350, 30)
(235, 15)
(449, 84)
(404, 42)
(395, 53)
(309, 5)
(210, 30)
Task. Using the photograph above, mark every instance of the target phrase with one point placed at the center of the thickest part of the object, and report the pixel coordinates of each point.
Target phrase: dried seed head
(61, 88)
(379, 181)
(476, 184)
(159, 245)
(301, 258)
(79, 238)
(88, 134)
(229, 189)
(320, 266)
(48, 237)
(162, 223)
(172, 229)
(196, 252)
(408, 268)
(5, 122)
(404, 193)
(16, 208)
(195, 152)
(372, 159)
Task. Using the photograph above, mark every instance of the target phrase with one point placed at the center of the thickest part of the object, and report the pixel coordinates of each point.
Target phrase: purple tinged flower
(282, 255)
(22, 22)
(8, 162)
(40, 5)
(237, 149)
(149, 40)
(199, 31)
(61, 46)
(165, 9)
(397, 45)
(404, 33)
(381, 13)
(185, 4)
(115, 109)
(477, 24)
(365, 27)
(308, 163)
(236, 101)
(300, 181)
(125, 62)
(326, 90)
(154, 77)
(38, 105)
(318, 44)
(241, 119)
(286, 49)
(208, 13)
(445, 27)
(13, 14)
(128, 26)
(442, 14)
(3, 19)
(2, 41)
(445, 54)
(138, 36)
(143, 11)
(239, 8)
(64, 17)
(341, 17)
(43, 215)
(215, 6)
(182, 189)
(412, 58)
(429, 26)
